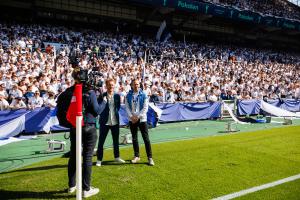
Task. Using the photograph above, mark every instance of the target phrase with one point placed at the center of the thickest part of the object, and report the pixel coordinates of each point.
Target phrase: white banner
(13, 127)
(51, 122)
(156, 109)
(15, 139)
(160, 30)
(279, 112)
(232, 115)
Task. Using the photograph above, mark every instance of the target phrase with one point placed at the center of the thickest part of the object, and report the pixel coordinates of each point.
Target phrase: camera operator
(91, 109)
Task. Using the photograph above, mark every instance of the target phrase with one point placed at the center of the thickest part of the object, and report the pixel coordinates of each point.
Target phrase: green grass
(290, 190)
(20, 154)
(201, 168)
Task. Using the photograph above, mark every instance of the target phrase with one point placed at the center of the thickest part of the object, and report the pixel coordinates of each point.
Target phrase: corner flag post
(78, 94)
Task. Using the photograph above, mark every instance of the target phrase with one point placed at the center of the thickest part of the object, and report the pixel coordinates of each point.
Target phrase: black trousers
(115, 132)
(144, 131)
(89, 138)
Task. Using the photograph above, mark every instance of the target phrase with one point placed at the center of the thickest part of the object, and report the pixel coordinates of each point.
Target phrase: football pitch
(194, 160)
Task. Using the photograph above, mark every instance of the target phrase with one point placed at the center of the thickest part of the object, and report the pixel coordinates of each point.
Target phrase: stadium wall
(145, 19)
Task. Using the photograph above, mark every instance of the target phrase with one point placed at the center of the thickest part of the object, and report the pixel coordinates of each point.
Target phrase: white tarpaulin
(279, 112)
(232, 115)
(15, 139)
(156, 109)
(51, 122)
(12, 128)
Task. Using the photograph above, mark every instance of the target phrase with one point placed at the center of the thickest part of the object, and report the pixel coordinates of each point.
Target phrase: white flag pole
(144, 67)
(78, 158)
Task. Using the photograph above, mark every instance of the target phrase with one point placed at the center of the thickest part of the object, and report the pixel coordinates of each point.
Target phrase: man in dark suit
(109, 120)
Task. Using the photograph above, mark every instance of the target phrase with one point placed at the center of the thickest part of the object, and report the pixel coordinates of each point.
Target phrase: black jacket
(91, 107)
(104, 115)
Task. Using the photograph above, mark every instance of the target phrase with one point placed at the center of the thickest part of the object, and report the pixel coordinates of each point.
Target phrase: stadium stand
(174, 71)
(279, 8)
(35, 55)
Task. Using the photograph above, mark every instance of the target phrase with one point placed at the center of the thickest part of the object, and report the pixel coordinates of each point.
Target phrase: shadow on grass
(19, 161)
(127, 162)
(49, 167)
(6, 194)
(233, 131)
(36, 154)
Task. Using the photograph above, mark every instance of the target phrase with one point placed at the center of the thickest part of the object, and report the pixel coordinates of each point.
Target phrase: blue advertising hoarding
(226, 12)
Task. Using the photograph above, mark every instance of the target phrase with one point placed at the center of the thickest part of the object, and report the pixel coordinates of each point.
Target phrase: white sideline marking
(257, 188)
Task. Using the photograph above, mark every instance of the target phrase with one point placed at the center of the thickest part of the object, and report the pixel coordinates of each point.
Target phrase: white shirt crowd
(33, 74)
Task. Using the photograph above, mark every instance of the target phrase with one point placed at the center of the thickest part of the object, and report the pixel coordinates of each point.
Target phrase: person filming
(91, 109)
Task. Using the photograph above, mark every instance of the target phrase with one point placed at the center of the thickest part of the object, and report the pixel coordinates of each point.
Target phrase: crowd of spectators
(279, 8)
(33, 73)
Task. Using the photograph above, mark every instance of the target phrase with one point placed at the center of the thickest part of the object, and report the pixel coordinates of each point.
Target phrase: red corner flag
(75, 108)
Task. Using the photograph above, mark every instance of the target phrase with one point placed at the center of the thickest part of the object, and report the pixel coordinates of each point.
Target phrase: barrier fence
(14, 122)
